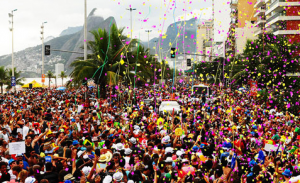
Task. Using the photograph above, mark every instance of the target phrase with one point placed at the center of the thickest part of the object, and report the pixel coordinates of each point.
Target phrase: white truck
(202, 89)
(169, 106)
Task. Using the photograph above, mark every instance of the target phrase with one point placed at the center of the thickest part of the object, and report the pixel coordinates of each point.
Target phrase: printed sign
(16, 147)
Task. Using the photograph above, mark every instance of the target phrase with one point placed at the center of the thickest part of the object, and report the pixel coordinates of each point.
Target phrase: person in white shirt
(4, 135)
(25, 130)
(11, 164)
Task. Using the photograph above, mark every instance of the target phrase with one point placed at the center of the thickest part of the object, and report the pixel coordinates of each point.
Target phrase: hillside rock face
(185, 42)
(30, 60)
(70, 30)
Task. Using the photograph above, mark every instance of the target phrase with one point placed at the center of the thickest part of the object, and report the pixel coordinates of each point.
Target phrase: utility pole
(131, 9)
(85, 42)
(13, 79)
(43, 53)
(148, 31)
(85, 32)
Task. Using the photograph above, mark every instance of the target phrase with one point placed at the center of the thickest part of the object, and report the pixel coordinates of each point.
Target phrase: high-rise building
(58, 69)
(283, 18)
(242, 19)
(260, 23)
(204, 39)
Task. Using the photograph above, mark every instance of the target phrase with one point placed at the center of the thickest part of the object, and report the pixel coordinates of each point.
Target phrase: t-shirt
(52, 177)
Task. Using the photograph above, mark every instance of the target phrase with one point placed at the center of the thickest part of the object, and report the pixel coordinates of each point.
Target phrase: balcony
(280, 17)
(259, 3)
(259, 22)
(233, 4)
(278, 6)
(260, 11)
(258, 32)
(285, 32)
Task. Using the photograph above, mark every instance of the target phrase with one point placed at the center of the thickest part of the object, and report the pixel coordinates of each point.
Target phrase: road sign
(43, 78)
(83, 89)
(228, 90)
(13, 81)
(188, 71)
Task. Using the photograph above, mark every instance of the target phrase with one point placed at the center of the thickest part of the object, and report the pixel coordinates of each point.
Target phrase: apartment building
(283, 18)
(241, 26)
(204, 39)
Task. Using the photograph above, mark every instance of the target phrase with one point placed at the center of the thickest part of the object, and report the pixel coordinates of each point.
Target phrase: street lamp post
(148, 31)
(43, 52)
(11, 15)
(131, 9)
(85, 38)
(85, 32)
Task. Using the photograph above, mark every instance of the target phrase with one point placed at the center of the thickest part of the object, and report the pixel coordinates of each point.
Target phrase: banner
(253, 88)
(16, 147)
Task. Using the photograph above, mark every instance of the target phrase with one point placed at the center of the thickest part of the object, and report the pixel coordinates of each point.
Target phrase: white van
(168, 106)
(201, 89)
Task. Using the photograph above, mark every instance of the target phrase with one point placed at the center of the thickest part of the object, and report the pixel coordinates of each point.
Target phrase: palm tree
(3, 77)
(62, 76)
(104, 62)
(18, 77)
(55, 81)
(50, 75)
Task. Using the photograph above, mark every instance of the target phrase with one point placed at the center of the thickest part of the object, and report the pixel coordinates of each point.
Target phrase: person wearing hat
(11, 164)
(22, 162)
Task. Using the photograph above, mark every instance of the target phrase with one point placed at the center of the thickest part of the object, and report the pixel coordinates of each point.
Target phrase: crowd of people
(122, 138)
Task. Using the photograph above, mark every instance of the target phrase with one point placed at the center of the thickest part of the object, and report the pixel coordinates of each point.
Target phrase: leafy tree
(3, 77)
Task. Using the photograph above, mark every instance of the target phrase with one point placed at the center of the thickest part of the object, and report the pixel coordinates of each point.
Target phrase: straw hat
(105, 157)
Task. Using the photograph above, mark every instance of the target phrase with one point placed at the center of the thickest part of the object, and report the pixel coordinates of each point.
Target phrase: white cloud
(61, 14)
(203, 14)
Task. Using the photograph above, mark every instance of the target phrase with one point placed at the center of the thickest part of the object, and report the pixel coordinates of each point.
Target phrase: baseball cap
(75, 142)
(11, 161)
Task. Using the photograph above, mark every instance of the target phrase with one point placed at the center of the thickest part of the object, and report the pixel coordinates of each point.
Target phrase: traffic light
(173, 52)
(84, 82)
(188, 62)
(47, 49)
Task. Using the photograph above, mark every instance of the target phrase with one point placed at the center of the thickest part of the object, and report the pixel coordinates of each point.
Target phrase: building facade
(242, 18)
(58, 69)
(283, 18)
(204, 39)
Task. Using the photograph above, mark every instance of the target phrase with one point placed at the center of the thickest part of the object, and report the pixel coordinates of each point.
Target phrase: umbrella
(61, 88)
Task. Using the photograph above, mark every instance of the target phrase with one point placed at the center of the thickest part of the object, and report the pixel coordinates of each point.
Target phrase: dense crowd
(123, 138)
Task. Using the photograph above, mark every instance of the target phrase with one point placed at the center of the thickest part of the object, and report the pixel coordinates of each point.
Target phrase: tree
(3, 77)
(50, 75)
(62, 76)
(19, 79)
(268, 60)
(105, 64)
(55, 80)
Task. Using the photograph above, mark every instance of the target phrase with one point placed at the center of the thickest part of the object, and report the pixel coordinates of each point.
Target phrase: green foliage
(62, 75)
(19, 79)
(112, 61)
(50, 75)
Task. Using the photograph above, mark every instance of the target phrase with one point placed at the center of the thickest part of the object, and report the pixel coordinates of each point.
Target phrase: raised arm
(39, 137)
